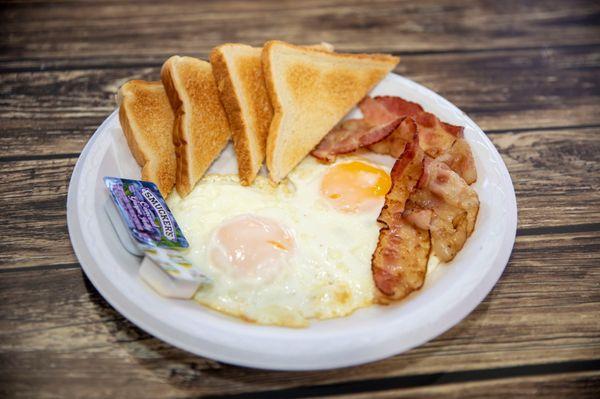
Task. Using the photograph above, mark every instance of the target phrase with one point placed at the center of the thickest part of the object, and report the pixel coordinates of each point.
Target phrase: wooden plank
(568, 385)
(560, 164)
(94, 352)
(40, 35)
(35, 196)
(537, 164)
(56, 112)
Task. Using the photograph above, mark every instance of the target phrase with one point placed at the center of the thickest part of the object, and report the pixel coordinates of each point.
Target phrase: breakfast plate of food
(290, 207)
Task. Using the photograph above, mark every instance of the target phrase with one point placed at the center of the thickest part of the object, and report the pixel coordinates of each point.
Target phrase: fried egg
(287, 254)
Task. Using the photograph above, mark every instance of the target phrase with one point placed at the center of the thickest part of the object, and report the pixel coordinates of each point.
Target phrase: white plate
(448, 295)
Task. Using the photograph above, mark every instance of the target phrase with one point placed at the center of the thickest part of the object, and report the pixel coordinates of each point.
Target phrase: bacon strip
(448, 232)
(396, 142)
(438, 213)
(375, 112)
(351, 135)
(400, 260)
(453, 205)
(380, 113)
(417, 216)
(399, 263)
(460, 159)
(442, 181)
(447, 225)
(436, 136)
(405, 175)
(399, 106)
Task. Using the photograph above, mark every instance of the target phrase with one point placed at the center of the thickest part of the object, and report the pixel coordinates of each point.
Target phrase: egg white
(329, 274)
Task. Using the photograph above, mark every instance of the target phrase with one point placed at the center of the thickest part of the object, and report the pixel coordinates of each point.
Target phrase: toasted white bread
(201, 129)
(238, 71)
(147, 121)
(311, 90)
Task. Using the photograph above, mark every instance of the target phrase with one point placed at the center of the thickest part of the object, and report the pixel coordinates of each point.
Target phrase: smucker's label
(146, 213)
(164, 217)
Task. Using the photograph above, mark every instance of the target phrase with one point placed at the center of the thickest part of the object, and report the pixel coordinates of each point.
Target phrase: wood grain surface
(579, 385)
(62, 35)
(528, 72)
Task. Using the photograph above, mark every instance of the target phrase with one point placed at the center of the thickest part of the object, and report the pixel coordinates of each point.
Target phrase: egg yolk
(355, 186)
(252, 247)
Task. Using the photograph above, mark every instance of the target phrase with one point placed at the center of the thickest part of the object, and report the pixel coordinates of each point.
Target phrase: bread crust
(248, 165)
(275, 127)
(182, 174)
(201, 133)
(146, 119)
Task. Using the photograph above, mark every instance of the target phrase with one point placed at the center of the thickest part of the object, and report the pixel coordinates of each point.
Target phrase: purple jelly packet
(146, 213)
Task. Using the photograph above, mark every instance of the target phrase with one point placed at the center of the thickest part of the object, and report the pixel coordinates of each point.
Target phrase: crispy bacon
(460, 159)
(417, 216)
(380, 114)
(436, 136)
(399, 263)
(399, 106)
(453, 206)
(375, 112)
(400, 260)
(350, 135)
(442, 181)
(448, 232)
(437, 213)
(373, 131)
(396, 142)
(448, 224)
(405, 175)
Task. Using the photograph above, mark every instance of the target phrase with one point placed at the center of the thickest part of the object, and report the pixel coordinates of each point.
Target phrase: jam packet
(145, 213)
(156, 235)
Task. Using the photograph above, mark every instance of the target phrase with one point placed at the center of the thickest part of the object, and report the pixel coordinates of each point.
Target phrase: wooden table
(528, 72)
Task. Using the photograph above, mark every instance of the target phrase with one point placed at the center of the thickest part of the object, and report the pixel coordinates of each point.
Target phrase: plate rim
(158, 328)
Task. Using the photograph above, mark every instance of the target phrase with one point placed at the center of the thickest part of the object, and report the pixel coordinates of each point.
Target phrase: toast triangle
(311, 90)
(238, 72)
(239, 75)
(201, 129)
(147, 120)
